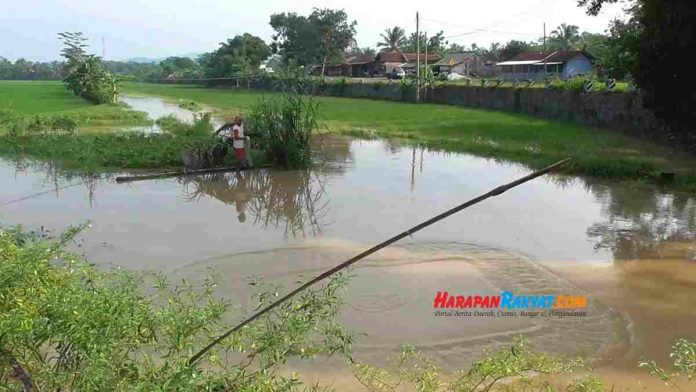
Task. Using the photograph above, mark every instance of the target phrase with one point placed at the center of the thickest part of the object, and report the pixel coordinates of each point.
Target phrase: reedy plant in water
(283, 127)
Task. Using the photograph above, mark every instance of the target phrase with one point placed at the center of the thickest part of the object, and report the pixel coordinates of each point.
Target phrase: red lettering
(495, 301)
(440, 299)
(467, 304)
(460, 301)
(477, 301)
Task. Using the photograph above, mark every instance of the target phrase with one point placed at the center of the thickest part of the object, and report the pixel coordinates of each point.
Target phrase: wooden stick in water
(179, 173)
(494, 192)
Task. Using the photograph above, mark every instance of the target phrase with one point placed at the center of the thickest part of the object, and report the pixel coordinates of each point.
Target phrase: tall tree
(356, 51)
(85, 74)
(456, 48)
(435, 43)
(513, 48)
(666, 33)
(322, 36)
(619, 57)
(180, 67)
(564, 37)
(392, 39)
(335, 33)
(242, 54)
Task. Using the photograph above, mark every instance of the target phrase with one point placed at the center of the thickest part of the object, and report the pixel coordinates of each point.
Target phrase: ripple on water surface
(390, 298)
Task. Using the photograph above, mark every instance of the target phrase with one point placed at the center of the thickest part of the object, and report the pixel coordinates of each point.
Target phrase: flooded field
(156, 108)
(632, 251)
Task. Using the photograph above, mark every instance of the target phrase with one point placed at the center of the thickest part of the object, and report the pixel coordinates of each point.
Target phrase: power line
(475, 31)
(532, 8)
(471, 31)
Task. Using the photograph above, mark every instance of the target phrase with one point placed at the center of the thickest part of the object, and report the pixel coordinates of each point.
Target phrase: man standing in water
(233, 133)
(239, 142)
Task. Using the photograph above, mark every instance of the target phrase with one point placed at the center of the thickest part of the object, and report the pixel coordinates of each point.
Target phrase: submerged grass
(94, 152)
(181, 144)
(529, 140)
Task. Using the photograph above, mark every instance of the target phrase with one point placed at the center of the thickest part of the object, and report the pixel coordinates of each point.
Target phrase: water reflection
(636, 223)
(52, 180)
(625, 222)
(295, 201)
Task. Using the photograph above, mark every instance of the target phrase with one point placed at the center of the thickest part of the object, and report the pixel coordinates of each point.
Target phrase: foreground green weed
(412, 368)
(68, 326)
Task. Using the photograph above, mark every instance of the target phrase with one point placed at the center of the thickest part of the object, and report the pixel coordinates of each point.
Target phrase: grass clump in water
(283, 126)
(200, 127)
(190, 105)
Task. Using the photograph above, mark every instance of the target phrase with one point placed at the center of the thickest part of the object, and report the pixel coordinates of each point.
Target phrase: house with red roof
(538, 65)
(379, 65)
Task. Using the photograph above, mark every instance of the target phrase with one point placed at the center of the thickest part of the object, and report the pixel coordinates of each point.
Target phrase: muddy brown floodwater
(631, 251)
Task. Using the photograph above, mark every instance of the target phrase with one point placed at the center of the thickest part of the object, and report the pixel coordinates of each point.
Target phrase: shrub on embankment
(85, 75)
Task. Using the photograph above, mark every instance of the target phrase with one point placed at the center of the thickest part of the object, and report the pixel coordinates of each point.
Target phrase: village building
(411, 58)
(463, 63)
(379, 65)
(361, 66)
(544, 64)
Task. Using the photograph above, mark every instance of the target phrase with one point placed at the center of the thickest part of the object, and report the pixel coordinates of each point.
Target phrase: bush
(85, 75)
(515, 363)
(67, 326)
(200, 127)
(283, 126)
(683, 359)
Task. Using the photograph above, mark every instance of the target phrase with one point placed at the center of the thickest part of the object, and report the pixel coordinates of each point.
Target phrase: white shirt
(239, 130)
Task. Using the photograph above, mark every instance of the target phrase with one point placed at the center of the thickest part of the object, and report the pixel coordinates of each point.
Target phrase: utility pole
(544, 48)
(425, 69)
(417, 60)
(544, 36)
(426, 51)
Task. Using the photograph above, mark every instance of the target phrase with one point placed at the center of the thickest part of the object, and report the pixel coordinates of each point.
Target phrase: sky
(161, 28)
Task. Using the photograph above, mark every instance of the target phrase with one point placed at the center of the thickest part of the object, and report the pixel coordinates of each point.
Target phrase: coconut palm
(565, 37)
(393, 38)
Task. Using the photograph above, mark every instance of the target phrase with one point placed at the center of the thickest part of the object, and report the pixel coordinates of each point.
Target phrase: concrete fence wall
(621, 112)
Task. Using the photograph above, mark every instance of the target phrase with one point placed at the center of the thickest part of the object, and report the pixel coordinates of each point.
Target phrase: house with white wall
(546, 64)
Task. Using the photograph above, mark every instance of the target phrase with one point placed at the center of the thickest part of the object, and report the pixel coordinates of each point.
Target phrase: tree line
(326, 36)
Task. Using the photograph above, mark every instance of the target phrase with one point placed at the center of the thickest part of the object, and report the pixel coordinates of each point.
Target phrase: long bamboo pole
(179, 173)
(494, 192)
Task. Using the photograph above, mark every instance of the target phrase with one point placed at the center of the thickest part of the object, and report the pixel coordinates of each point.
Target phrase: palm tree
(565, 37)
(393, 38)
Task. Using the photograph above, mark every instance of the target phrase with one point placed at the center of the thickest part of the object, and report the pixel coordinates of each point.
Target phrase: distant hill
(152, 60)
